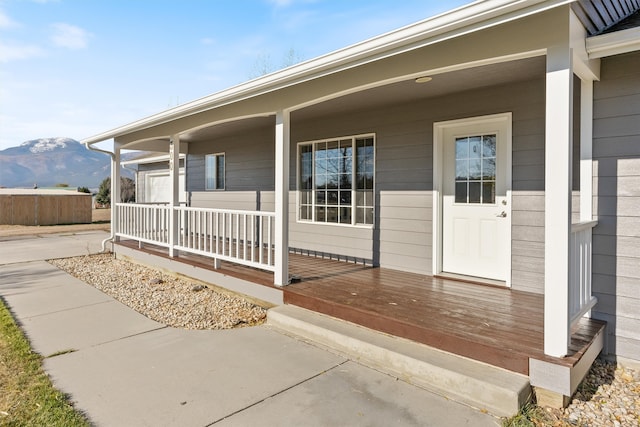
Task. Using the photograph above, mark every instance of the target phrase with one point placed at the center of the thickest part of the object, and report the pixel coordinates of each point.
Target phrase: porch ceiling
(442, 84)
(391, 94)
(210, 133)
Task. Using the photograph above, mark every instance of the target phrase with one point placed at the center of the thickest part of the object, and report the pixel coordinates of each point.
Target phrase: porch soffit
(600, 17)
(405, 91)
(515, 39)
(444, 84)
(204, 133)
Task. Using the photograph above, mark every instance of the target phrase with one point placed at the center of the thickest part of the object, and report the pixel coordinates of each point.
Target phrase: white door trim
(438, 141)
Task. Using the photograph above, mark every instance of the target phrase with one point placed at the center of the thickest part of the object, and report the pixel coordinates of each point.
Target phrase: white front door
(476, 211)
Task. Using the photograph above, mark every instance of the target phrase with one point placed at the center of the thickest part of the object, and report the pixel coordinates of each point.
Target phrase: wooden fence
(45, 209)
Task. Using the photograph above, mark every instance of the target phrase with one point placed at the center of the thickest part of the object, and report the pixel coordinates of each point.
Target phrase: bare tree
(264, 63)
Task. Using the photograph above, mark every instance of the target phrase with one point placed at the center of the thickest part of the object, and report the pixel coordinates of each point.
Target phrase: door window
(475, 165)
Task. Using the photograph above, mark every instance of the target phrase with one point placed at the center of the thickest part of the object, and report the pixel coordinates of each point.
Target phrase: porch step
(498, 391)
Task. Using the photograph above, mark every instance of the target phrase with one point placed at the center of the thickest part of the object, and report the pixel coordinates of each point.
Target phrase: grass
(529, 415)
(27, 396)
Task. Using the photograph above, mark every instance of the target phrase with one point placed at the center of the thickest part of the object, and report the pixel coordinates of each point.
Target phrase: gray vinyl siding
(616, 238)
(195, 172)
(249, 161)
(238, 200)
(402, 236)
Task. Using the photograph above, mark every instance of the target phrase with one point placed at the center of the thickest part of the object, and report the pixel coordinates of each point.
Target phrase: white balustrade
(243, 237)
(581, 299)
(143, 222)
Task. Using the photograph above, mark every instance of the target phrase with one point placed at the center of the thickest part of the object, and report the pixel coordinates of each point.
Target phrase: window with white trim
(336, 180)
(214, 171)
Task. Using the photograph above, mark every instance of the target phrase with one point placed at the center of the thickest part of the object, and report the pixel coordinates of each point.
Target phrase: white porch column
(557, 216)
(174, 177)
(586, 150)
(115, 187)
(281, 240)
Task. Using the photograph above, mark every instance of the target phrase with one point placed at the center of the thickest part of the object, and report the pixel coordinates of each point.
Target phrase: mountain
(50, 161)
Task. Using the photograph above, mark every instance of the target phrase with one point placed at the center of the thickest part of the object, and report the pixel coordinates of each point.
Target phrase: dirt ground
(100, 221)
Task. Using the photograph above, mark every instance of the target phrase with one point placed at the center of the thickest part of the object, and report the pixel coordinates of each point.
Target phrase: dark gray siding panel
(249, 161)
(195, 172)
(402, 237)
(616, 240)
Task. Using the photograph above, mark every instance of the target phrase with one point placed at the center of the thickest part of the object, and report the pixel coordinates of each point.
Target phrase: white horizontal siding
(406, 230)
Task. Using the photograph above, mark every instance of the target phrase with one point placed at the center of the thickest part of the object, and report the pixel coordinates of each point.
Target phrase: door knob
(503, 214)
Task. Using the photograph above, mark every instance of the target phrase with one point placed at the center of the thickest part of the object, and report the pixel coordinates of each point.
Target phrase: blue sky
(76, 68)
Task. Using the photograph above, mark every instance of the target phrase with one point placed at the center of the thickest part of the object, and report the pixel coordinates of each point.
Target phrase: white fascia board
(154, 159)
(460, 21)
(614, 43)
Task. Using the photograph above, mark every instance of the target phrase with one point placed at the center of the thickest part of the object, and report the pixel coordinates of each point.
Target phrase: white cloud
(287, 3)
(281, 3)
(14, 52)
(6, 22)
(69, 36)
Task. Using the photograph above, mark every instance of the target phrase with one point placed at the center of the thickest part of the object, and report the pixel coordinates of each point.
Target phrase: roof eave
(153, 159)
(459, 21)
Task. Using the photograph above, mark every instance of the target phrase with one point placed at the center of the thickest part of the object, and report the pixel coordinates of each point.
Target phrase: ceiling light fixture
(424, 79)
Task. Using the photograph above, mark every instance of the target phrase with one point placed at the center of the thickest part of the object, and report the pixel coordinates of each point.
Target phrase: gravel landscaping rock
(167, 299)
(608, 396)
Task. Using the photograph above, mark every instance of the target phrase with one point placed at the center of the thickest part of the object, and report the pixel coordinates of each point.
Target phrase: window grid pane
(328, 192)
(214, 171)
(364, 180)
(475, 166)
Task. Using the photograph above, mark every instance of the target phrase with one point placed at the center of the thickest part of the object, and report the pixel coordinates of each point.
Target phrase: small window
(214, 171)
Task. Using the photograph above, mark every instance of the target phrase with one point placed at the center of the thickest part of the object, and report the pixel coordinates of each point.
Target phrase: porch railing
(581, 299)
(144, 222)
(242, 237)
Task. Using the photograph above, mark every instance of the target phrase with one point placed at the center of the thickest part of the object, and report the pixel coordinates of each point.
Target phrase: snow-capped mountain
(46, 144)
(46, 162)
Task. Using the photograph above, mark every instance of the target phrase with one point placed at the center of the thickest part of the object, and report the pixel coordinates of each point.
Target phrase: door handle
(503, 214)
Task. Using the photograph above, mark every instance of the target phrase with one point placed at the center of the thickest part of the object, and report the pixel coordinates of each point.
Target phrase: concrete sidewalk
(123, 369)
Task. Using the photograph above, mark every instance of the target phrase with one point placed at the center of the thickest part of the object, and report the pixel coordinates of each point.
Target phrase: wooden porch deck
(495, 325)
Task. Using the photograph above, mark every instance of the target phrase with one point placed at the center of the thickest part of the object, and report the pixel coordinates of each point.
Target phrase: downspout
(112, 234)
